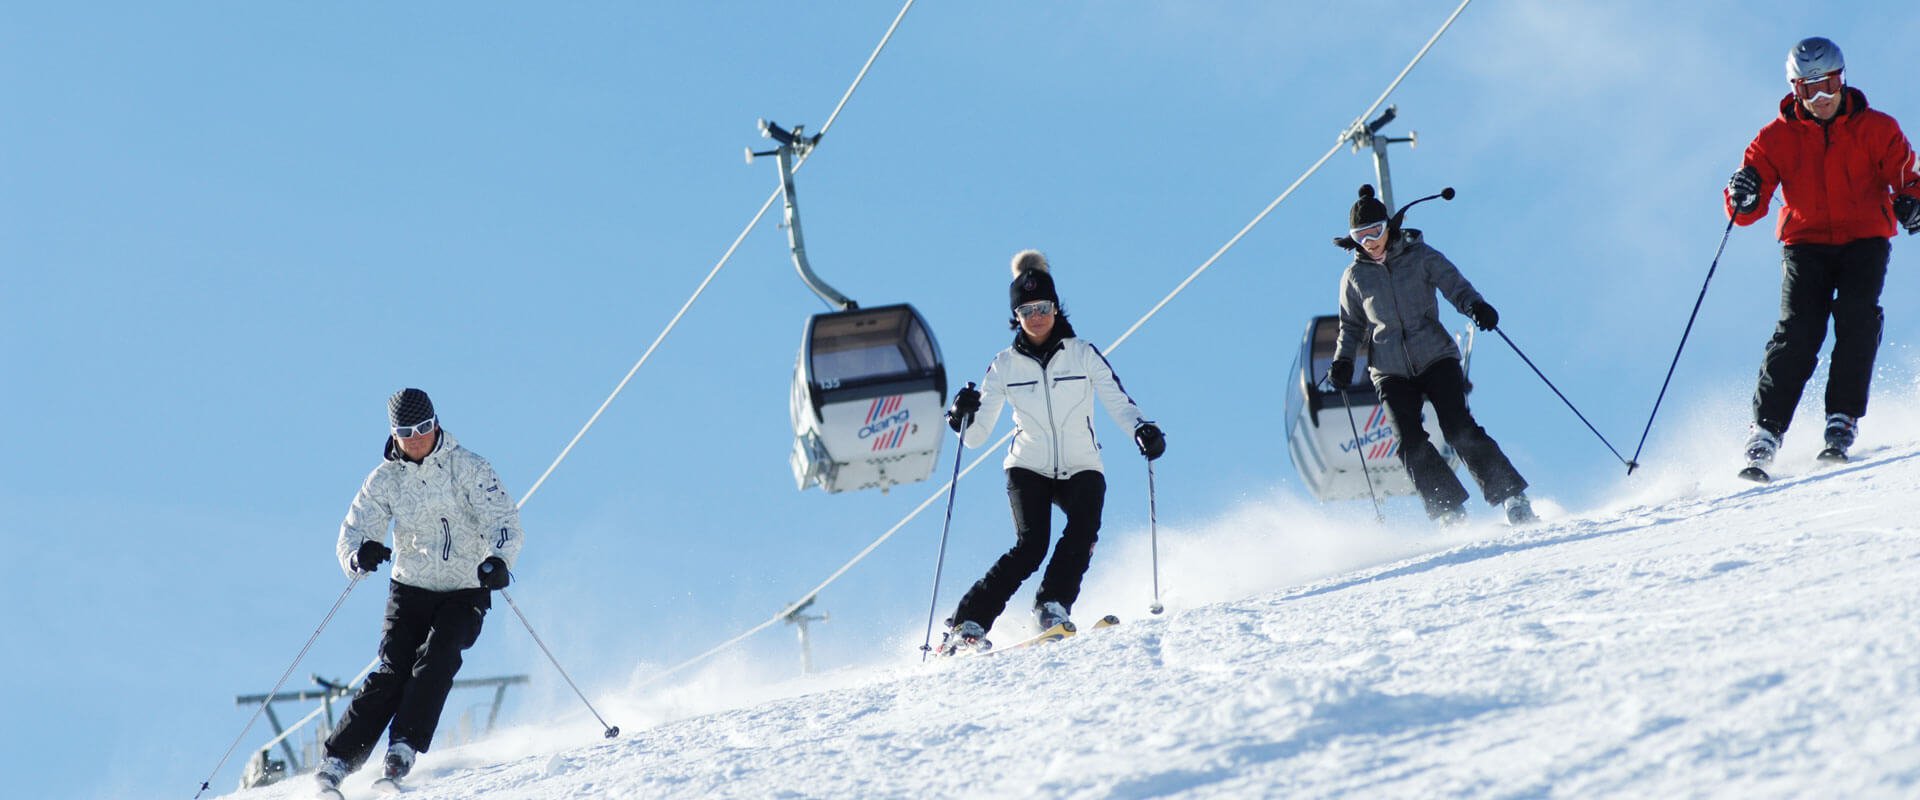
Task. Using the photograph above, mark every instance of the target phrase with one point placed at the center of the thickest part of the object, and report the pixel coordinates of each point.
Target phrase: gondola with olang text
(868, 385)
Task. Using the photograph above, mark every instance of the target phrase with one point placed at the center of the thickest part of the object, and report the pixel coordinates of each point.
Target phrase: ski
(330, 793)
(388, 786)
(1053, 634)
(1107, 621)
(1756, 474)
(1833, 455)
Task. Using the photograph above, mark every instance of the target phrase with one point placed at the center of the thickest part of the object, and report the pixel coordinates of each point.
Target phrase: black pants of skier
(1445, 387)
(420, 645)
(1033, 497)
(1822, 281)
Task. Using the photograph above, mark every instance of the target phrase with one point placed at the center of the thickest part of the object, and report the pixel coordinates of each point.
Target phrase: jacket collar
(441, 445)
(1043, 352)
(1854, 102)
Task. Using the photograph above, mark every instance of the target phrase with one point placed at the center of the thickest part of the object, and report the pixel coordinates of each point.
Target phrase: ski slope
(1706, 638)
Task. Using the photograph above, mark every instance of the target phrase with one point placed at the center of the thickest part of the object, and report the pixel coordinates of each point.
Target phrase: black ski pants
(1445, 387)
(1033, 497)
(1841, 281)
(420, 645)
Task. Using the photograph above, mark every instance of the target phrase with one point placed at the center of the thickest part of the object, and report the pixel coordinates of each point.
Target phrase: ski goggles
(421, 429)
(1368, 233)
(1812, 89)
(1037, 308)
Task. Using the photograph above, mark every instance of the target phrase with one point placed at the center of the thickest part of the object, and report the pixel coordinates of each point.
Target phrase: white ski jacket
(1052, 407)
(448, 514)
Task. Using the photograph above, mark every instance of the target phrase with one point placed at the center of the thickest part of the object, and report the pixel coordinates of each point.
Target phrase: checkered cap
(409, 407)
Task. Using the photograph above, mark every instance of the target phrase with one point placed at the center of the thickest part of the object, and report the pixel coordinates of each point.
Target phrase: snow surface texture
(1707, 637)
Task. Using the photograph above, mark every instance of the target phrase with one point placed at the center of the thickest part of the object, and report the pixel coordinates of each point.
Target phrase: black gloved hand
(370, 555)
(1907, 210)
(493, 573)
(1484, 316)
(1340, 373)
(1152, 442)
(965, 403)
(1744, 189)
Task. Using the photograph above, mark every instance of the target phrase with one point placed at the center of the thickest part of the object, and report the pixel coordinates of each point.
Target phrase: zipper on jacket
(446, 540)
(1053, 425)
(1401, 318)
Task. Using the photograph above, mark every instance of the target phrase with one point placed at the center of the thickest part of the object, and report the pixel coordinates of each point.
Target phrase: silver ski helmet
(1816, 57)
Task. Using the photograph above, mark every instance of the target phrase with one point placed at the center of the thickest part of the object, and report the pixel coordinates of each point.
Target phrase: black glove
(370, 555)
(493, 573)
(965, 403)
(1744, 189)
(1152, 442)
(1340, 373)
(1484, 316)
(1907, 210)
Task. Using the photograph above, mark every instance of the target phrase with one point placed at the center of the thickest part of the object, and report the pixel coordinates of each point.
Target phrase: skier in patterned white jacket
(1052, 379)
(456, 534)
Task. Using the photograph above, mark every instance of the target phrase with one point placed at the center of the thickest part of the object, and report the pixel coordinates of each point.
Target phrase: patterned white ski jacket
(1052, 406)
(448, 514)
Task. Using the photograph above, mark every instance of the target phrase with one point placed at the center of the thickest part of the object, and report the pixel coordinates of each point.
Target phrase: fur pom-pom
(1029, 261)
(1366, 191)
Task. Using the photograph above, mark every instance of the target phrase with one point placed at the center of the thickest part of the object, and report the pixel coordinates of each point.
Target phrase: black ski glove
(1744, 189)
(1340, 373)
(370, 555)
(1484, 316)
(1907, 209)
(493, 574)
(1152, 442)
(965, 403)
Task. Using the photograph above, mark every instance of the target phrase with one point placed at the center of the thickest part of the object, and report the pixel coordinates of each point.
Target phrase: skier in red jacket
(1847, 177)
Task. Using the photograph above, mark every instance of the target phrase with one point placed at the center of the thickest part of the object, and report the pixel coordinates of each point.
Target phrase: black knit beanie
(1031, 280)
(1367, 210)
(409, 407)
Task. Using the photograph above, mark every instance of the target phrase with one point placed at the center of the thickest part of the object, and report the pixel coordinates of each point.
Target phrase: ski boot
(1450, 517)
(1761, 447)
(1520, 511)
(399, 762)
(1840, 431)
(331, 772)
(966, 637)
(1051, 614)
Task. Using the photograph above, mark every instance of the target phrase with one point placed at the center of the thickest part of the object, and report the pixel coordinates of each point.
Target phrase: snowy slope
(1708, 638)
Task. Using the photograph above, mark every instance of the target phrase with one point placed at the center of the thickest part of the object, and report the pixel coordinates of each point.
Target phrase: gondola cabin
(1321, 439)
(869, 390)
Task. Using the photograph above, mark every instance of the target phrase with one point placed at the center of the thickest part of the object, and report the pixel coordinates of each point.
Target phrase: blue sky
(232, 230)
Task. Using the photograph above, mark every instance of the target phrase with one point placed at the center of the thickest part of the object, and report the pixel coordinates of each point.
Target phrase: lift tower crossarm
(795, 145)
(1365, 134)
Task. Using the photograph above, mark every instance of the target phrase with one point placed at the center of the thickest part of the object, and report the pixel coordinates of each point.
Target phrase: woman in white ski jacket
(456, 534)
(1053, 380)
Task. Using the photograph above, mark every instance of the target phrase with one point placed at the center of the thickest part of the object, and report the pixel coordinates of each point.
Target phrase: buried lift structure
(868, 385)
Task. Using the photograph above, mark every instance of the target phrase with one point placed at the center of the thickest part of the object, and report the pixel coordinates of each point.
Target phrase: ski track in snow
(1729, 640)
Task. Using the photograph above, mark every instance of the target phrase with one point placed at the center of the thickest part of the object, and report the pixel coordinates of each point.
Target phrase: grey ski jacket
(1394, 304)
(448, 513)
(1052, 407)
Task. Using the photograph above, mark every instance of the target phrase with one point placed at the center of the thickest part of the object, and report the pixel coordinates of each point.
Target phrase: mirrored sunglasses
(1034, 309)
(1368, 233)
(422, 429)
(1813, 88)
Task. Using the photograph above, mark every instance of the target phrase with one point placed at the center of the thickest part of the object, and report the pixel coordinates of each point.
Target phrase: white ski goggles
(1037, 308)
(1368, 233)
(421, 429)
(1815, 89)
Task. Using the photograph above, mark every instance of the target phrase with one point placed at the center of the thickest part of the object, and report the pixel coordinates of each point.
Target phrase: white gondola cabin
(1321, 439)
(868, 392)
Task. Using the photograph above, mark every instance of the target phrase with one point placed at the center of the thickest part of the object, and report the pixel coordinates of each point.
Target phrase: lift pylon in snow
(1322, 445)
(869, 385)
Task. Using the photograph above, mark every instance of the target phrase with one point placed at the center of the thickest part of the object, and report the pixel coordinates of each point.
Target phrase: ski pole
(1635, 461)
(1364, 472)
(1153, 538)
(355, 581)
(1556, 391)
(611, 731)
(933, 605)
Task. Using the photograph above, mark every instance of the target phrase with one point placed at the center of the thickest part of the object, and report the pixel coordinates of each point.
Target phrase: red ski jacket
(1837, 179)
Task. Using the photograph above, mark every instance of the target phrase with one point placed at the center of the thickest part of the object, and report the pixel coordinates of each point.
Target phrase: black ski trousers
(1033, 497)
(420, 646)
(1841, 281)
(1445, 387)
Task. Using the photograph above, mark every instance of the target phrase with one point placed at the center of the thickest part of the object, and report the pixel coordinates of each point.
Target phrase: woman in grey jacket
(455, 535)
(1387, 294)
(1052, 379)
